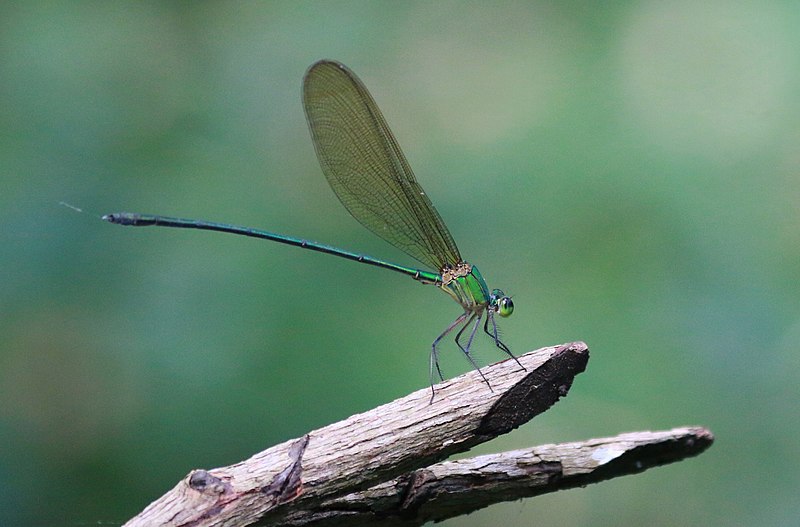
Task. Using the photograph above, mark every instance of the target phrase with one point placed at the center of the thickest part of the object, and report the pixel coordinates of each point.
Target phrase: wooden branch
(454, 488)
(370, 448)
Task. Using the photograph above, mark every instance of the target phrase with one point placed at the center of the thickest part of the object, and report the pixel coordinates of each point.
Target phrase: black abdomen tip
(125, 218)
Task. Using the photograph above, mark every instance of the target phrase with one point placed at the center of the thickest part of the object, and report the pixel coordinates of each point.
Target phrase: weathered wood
(373, 447)
(453, 488)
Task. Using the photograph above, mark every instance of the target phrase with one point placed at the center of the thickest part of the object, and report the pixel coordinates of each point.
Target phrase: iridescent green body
(370, 175)
(469, 290)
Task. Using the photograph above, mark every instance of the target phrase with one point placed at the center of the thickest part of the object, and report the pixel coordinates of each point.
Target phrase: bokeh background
(629, 172)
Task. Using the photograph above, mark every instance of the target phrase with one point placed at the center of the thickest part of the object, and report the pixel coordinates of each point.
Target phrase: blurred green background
(630, 173)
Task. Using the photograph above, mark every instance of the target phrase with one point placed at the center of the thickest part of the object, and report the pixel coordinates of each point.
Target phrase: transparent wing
(366, 168)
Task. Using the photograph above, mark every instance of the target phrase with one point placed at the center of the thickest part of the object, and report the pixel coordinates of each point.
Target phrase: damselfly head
(502, 304)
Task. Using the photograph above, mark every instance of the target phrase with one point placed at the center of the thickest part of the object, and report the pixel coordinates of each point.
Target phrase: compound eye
(505, 306)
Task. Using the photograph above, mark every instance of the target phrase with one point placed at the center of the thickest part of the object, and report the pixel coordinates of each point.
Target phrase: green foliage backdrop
(630, 173)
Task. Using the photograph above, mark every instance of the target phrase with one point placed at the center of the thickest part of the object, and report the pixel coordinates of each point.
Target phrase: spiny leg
(435, 353)
(471, 334)
(477, 318)
(496, 338)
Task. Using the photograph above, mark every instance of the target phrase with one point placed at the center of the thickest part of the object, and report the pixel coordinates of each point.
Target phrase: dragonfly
(368, 172)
